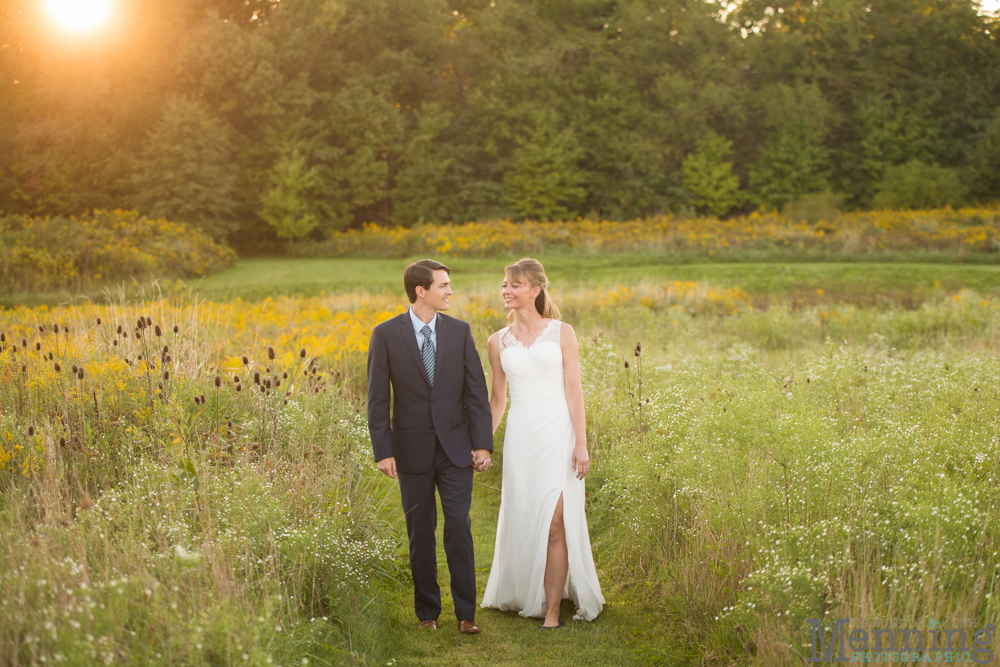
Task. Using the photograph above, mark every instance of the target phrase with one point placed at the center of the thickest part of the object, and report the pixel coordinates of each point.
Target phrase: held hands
(581, 461)
(481, 459)
(388, 466)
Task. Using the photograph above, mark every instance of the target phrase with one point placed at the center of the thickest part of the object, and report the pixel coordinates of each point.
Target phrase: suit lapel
(410, 340)
(442, 336)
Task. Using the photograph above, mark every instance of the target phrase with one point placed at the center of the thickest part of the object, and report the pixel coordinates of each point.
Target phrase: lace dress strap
(552, 332)
(506, 338)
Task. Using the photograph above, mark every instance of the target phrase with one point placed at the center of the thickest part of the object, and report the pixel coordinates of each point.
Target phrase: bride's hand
(581, 461)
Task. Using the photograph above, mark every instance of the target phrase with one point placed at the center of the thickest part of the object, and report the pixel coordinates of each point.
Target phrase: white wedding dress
(537, 467)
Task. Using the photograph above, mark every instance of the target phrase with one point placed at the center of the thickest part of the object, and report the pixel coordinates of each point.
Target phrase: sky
(990, 5)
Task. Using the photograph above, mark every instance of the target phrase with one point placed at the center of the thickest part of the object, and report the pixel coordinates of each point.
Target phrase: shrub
(918, 185)
(38, 254)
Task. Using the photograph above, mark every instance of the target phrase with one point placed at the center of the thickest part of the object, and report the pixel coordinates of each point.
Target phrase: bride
(542, 552)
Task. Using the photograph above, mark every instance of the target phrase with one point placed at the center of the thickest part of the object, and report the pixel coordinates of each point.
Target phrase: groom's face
(440, 290)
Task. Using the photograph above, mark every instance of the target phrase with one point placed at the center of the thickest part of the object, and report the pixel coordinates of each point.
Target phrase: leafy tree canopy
(404, 111)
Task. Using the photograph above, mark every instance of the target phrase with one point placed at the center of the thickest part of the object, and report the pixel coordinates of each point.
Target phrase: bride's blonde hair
(531, 272)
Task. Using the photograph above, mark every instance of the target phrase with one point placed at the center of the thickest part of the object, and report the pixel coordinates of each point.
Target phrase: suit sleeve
(476, 396)
(379, 426)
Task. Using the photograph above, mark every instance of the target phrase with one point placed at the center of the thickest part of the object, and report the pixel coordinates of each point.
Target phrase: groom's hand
(481, 459)
(388, 466)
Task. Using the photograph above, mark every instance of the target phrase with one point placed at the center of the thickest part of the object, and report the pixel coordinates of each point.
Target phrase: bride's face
(517, 294)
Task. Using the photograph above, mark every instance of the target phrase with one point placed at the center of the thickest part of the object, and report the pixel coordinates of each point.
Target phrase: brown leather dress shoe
(468, 628)
(428, 625)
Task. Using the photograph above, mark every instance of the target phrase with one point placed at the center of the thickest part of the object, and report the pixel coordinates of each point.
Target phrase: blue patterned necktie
(427, 352)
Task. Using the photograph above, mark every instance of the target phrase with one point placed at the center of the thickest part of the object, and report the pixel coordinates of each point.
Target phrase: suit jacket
(455, 411)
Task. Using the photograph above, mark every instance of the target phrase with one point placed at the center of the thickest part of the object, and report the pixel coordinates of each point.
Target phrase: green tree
(186, 172)
(918, 185)
(984, 167)
(285, 206)
(708, 177)
(545, 181)
(418, 195)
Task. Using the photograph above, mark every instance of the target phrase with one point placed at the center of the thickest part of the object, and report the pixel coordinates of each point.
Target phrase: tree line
(297, 118)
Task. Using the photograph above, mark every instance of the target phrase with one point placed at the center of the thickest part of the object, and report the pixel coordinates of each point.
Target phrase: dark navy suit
(431, 433)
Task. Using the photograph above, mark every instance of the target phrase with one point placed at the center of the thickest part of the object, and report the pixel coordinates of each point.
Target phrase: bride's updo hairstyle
(531, 272)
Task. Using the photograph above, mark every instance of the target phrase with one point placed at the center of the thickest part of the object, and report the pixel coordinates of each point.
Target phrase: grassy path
(623, 634)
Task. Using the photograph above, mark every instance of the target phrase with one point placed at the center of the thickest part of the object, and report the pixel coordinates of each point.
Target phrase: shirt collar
(418, 324)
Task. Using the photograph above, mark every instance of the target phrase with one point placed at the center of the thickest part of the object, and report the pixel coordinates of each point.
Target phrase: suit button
(432, 429)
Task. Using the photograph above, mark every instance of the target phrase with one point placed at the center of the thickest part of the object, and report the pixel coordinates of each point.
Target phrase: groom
(440, 429)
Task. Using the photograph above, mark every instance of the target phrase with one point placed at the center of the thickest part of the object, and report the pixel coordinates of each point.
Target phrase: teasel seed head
(203, 398)
(119, 328)
(157, 331)
(41, 329)
(267, 383)
(638, 349)
(55, 327)
(3, 338)
(58, 367)
(124, 334)
(302, 353)
(75, 369)
(246, 362)
(277, 383)
(197, 401)
(24, 368)
(268, 369)
(176, 328)
(80, 374)
(86, 503)
(239, 388)
(218, 381)
(140, 323)
(31, 431)
(98, 321)
(284, 376)
(114, 343)
(256, 377)
(262, 388)
(24, 343)
(166, 375)
(38, 347)
(236, 379)
(62, 441)
(166, 348)
(626, 364)
(270, 352)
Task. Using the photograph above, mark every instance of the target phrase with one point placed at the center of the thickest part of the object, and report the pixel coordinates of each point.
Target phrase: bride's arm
(498, 381)
(574, 398)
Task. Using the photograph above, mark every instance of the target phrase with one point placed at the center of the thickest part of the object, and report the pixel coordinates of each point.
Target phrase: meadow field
(186, 477)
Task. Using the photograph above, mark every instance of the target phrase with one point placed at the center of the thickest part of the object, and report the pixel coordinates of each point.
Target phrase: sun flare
(79, 15)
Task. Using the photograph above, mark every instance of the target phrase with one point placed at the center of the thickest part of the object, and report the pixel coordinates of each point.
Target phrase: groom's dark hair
(421, 274)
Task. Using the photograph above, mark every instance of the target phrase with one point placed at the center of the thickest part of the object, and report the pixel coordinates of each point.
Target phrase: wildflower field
(971, 234)
(185, 481)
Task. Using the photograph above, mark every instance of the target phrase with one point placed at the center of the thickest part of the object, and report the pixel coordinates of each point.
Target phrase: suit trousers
(454, 484)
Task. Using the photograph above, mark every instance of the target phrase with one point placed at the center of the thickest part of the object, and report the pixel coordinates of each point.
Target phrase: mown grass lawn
(853, 281)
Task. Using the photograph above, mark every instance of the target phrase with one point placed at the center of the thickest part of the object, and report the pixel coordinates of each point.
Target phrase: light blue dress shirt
(418, 325)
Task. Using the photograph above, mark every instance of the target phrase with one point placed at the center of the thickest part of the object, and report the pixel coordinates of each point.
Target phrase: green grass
(625, 633)
(861, 283)
(853, 281)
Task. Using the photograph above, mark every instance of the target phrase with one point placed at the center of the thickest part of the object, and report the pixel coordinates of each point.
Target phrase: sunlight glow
(79, 15)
